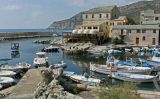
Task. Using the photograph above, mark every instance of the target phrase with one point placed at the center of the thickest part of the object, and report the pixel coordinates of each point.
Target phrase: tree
(118, 40)
(131, 21)
(124, 91)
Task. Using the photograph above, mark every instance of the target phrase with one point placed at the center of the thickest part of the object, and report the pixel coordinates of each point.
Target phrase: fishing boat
(1, 86)
(156, 57)
(7, 73)
(104, 69)
(61, 64)
(85, 80)
(6, 81)
(132, 67)
(23, 65)
(41, 59)
(16, 68)
(50, 49)
(133, 77)
(114, 51)
(68, 73)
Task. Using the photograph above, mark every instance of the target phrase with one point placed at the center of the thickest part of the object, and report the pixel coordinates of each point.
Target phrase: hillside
(131, 10)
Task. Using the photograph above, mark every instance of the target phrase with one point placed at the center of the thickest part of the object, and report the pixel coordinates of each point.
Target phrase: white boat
(23, 65)
(50, 49)
(1, 86)
(16, 68)
(156, 57)
(7, 73)
(68, 73)
(133, 77)
(84, 80)
(41, 59)
(58, 65)
(134, 69)
(6, 81)
(104, 69)
(111, 51)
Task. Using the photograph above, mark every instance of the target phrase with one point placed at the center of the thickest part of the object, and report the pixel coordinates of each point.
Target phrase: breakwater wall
(16, 35)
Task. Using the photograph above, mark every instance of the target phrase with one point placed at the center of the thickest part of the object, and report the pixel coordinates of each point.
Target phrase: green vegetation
(124, 91)
(131, 21)
(118, 40)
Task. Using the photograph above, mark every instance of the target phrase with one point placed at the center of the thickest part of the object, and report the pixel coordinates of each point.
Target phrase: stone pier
(27, 85)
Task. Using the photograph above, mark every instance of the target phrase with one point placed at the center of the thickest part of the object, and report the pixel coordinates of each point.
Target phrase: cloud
(11, 7)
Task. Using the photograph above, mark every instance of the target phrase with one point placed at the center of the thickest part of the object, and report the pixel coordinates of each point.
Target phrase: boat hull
(126, 78)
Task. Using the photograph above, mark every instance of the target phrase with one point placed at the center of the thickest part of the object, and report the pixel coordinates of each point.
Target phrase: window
(86, 16)
(107, 23)
(89, 27)
(144, 38)
(100, 15)
(84, 27)
(92, 15)
(138, 31)
(121, 31)
(154, 31)
(156, 18)
(143, 31)
(106, 15)
(95, 28)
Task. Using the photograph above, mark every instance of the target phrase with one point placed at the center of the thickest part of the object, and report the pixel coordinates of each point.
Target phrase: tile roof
(104, 9)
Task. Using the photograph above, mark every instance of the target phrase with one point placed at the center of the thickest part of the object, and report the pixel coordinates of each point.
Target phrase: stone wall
(131, 37)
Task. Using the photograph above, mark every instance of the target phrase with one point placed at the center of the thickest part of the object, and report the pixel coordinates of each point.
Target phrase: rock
(49, 88)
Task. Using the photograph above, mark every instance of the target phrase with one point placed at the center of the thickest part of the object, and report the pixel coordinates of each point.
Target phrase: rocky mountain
(68, 23)
(131, 10)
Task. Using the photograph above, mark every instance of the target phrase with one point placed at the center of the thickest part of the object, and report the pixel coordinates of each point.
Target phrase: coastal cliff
(131, 10)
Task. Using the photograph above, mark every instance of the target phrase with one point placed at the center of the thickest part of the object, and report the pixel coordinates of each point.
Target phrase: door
(153, 41)
(137, 41)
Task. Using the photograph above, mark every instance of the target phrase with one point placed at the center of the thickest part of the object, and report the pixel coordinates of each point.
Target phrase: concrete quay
(27, 85)
(18, 35)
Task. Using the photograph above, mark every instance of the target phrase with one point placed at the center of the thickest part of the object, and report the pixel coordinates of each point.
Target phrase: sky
(34, 14)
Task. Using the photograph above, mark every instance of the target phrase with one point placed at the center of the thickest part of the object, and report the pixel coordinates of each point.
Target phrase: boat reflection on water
(15, 54)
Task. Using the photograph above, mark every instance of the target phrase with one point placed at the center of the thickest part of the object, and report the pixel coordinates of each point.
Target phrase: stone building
(108, 15)
(138, 34)
(149, 17)
(97, 25)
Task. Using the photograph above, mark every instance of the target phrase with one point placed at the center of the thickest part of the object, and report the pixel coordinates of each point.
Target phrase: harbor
(106, 52)
(79, 63)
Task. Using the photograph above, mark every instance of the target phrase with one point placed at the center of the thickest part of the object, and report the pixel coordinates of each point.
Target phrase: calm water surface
(77, 64)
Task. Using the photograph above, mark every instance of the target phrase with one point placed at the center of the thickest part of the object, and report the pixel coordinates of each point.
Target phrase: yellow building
(97, 25)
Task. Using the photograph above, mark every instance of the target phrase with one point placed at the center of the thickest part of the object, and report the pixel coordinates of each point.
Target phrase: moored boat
(41, 59)
(85, 80)
(6, 73)
(58, 65)
(51, 49)
(6, 81)
(23, 65)
(16, 68)
(104, 69)
(1, 86)
(133, 77)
